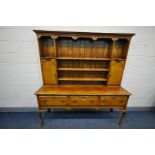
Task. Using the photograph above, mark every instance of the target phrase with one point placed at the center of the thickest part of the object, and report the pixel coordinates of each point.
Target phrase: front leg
(124, 112)
(111, 109)
(49, 110)
(41, 118)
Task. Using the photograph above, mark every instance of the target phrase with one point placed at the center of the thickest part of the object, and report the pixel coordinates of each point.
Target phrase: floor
(78, 120)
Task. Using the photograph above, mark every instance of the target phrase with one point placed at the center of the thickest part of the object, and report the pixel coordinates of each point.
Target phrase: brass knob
(92, 101)
(44, 101)
(83, 98)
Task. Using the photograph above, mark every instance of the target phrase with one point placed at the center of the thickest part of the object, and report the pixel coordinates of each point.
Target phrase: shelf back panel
(82, 83)
(83, 48)
(83, 64)
(121, 49)
(82, 74)
(46, 45)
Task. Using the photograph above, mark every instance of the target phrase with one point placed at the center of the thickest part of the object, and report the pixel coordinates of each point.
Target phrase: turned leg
(49, 110)
(122, 117)
(41, 118)
(111, 109)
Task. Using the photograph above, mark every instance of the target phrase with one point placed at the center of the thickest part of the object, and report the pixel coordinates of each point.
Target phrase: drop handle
(121, 102)
(92, 101)
(83, 98)
(103, 100)
(44, 101)
(74, 101)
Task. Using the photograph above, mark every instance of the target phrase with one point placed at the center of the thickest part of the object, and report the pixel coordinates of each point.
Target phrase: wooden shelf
(71, 58)
(82, 69)
(81, 79)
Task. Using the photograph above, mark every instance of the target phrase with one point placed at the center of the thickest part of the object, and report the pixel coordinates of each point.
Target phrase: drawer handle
(62, 101)
(44, 101)
(74, 101)
(83, 98)
(92, 101)
(103, 100)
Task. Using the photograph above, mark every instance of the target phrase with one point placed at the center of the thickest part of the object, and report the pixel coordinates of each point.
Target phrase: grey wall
(20, 74)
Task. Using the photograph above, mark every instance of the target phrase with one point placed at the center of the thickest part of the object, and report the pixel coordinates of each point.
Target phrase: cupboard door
(116, 72)
(49, 72)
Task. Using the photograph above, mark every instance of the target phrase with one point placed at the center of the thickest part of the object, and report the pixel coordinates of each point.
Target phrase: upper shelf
(84, 49)
(81, 79)
(73, 58)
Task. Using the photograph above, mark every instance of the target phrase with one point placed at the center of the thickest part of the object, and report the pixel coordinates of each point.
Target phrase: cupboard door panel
(49, 72)
(116, 72)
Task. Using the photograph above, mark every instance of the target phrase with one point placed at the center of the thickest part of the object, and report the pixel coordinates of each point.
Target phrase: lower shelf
(82, 69)
(81, 79)
(74, 58)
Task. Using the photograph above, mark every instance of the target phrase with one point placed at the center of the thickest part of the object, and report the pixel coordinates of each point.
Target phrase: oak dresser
(82, 70)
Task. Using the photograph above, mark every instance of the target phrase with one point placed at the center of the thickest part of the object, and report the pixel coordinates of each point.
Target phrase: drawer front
(83, 100)
(113, 100)
(53, 100)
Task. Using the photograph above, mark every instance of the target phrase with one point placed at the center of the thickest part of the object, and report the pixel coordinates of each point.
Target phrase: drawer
(83, 100)
(53, 100)
(113, 100)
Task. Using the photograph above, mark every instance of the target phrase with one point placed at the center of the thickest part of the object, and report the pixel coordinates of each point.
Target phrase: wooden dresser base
(72, 97)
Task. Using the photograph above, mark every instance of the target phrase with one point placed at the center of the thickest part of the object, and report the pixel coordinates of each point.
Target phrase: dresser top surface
(81, 90)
